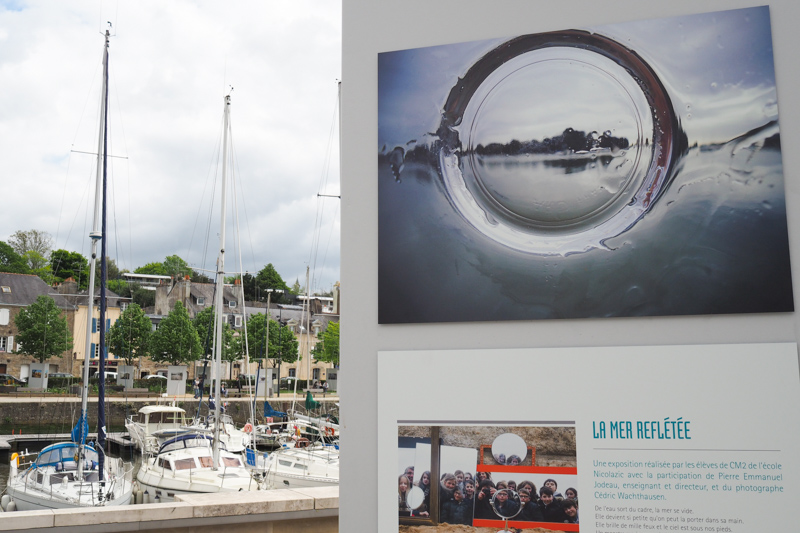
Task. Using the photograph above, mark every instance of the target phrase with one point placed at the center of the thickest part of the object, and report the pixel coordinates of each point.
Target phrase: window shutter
(10, 344)
(94, 325)
(3, 317)
(108, 324)
(91, 355)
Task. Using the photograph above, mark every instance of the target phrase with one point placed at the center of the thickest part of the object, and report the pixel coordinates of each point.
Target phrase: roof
(25, 288)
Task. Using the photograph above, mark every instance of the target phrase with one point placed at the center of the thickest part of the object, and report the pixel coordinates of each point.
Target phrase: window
(6, 289)
(232, 304)
(316, 373)
(237, 321)
(4, 344)
(292, 372)
(201, 300)
(123, 306)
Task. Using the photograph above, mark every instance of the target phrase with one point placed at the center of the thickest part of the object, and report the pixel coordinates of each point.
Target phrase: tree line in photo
(464, 498)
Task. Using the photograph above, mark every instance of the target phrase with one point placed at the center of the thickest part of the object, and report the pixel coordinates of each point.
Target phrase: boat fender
(4, 501)
(146, 497)
(11, 507)
(14, 457)
(248, 428)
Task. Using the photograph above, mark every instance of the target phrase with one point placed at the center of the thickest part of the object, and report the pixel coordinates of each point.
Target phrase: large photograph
(631, 169)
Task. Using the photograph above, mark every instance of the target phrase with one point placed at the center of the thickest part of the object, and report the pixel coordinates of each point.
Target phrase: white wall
(370, 27)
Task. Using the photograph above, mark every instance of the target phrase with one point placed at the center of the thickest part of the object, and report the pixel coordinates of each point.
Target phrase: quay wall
(309, 510)
(48, 411)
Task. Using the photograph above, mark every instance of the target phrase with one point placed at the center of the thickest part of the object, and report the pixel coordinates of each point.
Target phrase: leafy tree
(176, 340)
(176, 267)
(120, 286)
(197, 277)
(152, 269)
(42, 330)
(282, 342)
(296, 288)
(66, 264)
(328, 349)
(268, 278)
(32, 240)
(129, 336)
(249, 285)
(112, 272)
(35, 260)
(204, 324)
(142, 297)
(11, 261)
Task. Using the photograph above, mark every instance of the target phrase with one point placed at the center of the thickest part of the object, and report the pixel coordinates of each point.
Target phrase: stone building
(18, 291)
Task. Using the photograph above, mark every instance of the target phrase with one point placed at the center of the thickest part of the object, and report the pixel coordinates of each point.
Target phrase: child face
(570, 511)
(458, 496)
(514, 461)
(546, 498)
(551, 485)
(502, 496)
(470, 489)
(571, 495)
(512, 485)
(403, 485)
(426, 479)
(459, 478)
(450, 484)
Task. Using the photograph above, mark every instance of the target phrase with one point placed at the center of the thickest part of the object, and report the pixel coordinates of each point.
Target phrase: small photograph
(630, 169)
(177, 376)
(471, 477)
(36, 373)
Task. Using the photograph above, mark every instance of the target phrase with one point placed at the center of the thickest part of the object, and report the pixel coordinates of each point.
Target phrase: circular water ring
(553, 143)
(329, 431)
(248, 428)
(302, 443)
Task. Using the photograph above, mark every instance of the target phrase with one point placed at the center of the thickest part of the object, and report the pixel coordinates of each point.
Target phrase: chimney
(69, 286)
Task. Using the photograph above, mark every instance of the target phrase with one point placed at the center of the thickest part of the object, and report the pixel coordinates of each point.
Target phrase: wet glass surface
(628, 170)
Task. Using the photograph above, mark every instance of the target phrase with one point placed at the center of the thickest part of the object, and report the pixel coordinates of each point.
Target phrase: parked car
(60, 375)
(8, 379)
(156, 376)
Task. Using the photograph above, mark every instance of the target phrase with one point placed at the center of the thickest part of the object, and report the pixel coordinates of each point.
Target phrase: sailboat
(197, 461)
(301, 462)
(78, 474)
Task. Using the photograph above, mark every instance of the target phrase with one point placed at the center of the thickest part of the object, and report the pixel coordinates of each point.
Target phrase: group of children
(463, 498)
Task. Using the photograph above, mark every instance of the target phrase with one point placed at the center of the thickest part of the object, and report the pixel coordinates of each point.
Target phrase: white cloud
(171, 64)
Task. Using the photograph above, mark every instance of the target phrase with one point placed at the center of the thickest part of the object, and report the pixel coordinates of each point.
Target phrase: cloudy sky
(171, 65)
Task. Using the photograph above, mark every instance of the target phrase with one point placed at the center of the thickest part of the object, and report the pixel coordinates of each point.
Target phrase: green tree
(141, 296)
(32, 240)
(42, 330)
(176, 340)
(204, 324)
(152, 269)
(35, 260)
(282, 344)
(327, 349)
(129, 336)
(268, 278)
(112, 272)
(11, 261)
(297, 289)
(176, 267)
(66, 264)
(197, 277)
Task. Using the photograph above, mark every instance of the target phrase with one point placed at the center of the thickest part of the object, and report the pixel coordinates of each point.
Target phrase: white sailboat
(198, 461)
(77, 474)
(301, 462)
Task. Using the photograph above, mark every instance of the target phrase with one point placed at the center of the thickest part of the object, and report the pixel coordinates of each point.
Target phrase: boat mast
(95, 235)
(218, 304)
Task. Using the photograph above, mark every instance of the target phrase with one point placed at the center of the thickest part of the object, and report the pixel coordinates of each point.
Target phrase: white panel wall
(373, 26)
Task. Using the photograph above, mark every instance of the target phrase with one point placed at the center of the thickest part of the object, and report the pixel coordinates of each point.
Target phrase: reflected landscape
(565, 175)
